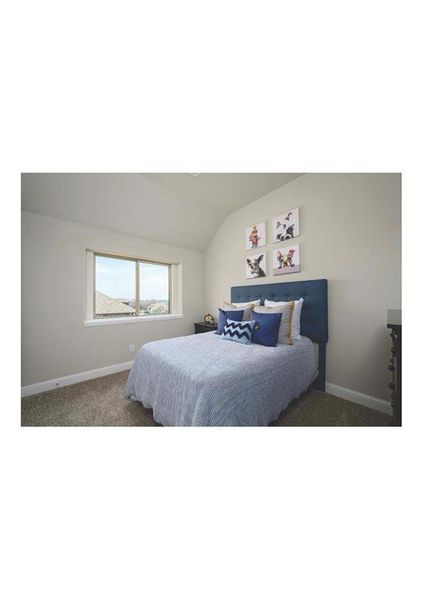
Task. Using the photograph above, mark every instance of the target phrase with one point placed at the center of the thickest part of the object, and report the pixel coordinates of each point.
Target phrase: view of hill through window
(115, 280)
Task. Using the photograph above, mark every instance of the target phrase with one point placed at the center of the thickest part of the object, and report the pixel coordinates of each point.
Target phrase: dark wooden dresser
(203, 327)
(394, 324)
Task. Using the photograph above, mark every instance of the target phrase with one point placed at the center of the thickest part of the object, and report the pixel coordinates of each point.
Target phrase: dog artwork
(255, 266)
(286, 260)
(286, 226)
(286, 233)
(255, 236)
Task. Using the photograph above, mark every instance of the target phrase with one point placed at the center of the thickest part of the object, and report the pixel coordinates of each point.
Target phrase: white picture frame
(286, 226)
(255, 266)
(286, 260)
(255, 236)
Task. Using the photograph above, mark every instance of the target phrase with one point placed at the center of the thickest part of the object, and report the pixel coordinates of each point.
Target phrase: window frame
(137, 261)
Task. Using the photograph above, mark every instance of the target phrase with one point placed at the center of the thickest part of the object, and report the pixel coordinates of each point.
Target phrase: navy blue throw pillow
(235, 315)
(268, 328)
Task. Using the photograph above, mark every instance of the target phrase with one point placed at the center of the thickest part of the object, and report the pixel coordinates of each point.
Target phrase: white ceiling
(172, 208)
(225, 192)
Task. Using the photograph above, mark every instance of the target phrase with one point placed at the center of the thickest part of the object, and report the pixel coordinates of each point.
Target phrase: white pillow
(296, 316)
(242, 304)
(247, 306)
(286, 309)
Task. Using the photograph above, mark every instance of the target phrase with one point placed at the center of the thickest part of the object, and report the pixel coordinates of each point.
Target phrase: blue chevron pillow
(238, 331)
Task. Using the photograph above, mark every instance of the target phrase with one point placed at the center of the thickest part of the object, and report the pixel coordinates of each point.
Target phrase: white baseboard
(359, 398)
(51, 384)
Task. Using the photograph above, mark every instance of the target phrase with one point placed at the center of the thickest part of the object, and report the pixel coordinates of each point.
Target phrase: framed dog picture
(286, 226)
(287, 260)
(255, 236)
(255, 266)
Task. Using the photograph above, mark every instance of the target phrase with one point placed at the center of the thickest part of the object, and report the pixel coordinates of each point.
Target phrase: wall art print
(255, 266)
(287, 260)
(255, 236)
(286, 226)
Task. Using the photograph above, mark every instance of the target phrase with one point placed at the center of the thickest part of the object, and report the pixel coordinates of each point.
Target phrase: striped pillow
(247, 307)
(296, 315)
(238, 331)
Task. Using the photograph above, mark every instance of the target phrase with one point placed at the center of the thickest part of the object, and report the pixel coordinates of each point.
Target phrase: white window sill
(124, 320)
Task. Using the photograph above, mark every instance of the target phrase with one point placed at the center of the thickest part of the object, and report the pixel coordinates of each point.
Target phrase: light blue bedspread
(206, 380)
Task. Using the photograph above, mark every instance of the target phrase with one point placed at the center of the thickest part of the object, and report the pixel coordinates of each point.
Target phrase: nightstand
(203, 327)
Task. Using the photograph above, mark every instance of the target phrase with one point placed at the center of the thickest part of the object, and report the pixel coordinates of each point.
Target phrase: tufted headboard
(314, 315)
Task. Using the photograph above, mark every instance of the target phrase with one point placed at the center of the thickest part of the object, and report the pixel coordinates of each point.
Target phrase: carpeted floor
(100, 402)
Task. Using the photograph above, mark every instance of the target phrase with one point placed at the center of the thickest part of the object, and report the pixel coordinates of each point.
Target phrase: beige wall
(55, 342)
(350, 235)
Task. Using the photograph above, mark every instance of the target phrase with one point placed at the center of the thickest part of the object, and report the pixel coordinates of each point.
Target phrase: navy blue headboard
(314, 315)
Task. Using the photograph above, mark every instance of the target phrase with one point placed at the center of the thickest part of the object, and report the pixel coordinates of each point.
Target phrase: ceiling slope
(170, 208)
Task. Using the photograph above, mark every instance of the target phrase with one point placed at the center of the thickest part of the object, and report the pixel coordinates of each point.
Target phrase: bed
(203, 380)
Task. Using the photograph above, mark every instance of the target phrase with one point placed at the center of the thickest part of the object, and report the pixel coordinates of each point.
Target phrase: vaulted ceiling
(172, 208)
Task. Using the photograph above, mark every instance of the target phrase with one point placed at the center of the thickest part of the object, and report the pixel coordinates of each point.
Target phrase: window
(115, 287)
(154, 288)
(128, 287)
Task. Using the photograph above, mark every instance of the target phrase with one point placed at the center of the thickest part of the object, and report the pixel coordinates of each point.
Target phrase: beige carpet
(100, 402)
